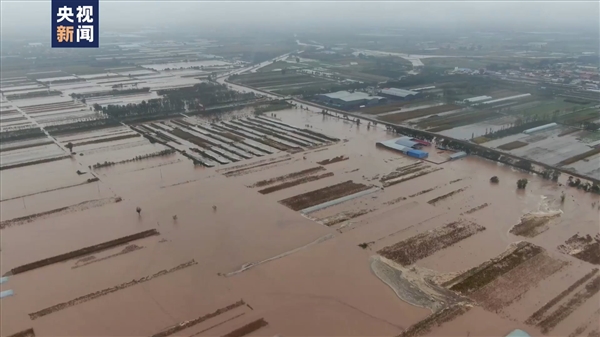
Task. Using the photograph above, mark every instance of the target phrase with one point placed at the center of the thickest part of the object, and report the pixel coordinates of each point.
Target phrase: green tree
(522, 183)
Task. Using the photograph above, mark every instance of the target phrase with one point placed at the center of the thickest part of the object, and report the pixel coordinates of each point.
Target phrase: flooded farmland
(294, 224)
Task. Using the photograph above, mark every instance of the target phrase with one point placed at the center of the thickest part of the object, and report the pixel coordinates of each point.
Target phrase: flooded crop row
(444, 196)
(498, 282)
(584, 248)
(190, 323)
(248, 328)
(288, 176)
(295, 182)
(103, 292)
(58, 211)
(82, 252)
(332, 160)
(322, 195)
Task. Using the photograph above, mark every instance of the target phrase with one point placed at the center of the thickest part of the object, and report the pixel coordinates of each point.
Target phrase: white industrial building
(476, 99)
(399, 94)
(349, 100)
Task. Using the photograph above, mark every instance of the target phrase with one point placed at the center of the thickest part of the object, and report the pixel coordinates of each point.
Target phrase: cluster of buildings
(348, 100)
(570, 74)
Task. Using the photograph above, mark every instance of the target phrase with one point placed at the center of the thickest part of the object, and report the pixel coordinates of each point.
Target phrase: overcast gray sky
(114, 15)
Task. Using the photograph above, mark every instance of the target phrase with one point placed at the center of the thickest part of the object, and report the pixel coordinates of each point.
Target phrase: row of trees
(136, 158)
(178, 100)
(113, 92)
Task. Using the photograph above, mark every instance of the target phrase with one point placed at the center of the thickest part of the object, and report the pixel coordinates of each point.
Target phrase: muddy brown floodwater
(386, 245)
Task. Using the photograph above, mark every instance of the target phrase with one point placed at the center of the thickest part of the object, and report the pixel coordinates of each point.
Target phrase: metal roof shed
(518, 333)
(417, 153)
(458, 155)
(405, 141)
(398, 92)
(390, 144)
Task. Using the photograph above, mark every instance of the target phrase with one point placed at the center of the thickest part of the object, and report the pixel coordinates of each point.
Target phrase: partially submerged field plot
(322, 195)
(579, 157)
(248, 328)
(282, 82)
(31, 155)
(380, 109)
(58, 211)
(333, 160)
(512, 145)
(409, 251)
(288, 176)
(404, 116)
(192, 322)
(103, 292)
(445, 315)
(585, 248)
(500, 281)
(81, 252)
(538, 316)
(25, 146)
(443, 197)
(569, 305)
(256, 166)
(292, 179)
(406, 173)
(446, 122)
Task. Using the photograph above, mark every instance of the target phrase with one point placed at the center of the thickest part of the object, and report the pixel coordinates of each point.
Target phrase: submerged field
(254, 226)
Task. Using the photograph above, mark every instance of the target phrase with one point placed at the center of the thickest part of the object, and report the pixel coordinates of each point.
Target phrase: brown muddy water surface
(230, 260)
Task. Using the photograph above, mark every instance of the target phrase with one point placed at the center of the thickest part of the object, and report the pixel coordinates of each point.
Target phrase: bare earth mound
(414, 285)
(531, 225)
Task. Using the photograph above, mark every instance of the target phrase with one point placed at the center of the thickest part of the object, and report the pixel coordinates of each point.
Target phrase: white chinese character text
(85, 13)
(85, 33)
(64, 13)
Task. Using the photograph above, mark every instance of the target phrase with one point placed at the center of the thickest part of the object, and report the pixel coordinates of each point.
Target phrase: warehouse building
(476, 99)
(349, 100)
(399, 94)
(541, 128)
(405, 145)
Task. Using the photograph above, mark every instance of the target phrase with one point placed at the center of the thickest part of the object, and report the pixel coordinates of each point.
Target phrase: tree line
(178, 100)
